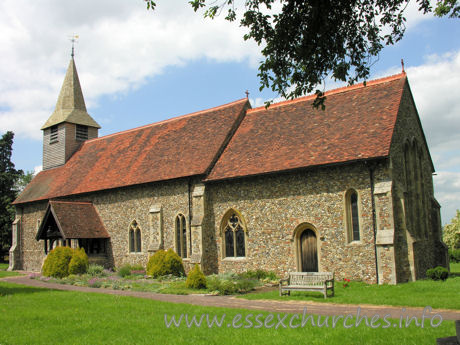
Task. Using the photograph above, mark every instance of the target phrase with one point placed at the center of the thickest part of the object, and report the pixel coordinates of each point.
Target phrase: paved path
(266, 305)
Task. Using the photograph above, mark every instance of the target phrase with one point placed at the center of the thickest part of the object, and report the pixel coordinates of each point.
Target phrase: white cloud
(447, 187)
(435, 87)
(414, 16)
(257, 102)
(121, 45)
(37, 169)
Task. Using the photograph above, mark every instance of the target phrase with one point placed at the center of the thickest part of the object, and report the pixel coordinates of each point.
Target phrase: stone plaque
(153, 247)
(195, 258)
(385, 236)
(382, 187)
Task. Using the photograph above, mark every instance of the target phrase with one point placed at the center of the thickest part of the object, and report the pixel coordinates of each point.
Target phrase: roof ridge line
(167, 120)
(342, 89)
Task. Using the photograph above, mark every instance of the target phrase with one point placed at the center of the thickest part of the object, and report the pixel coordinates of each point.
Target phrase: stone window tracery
(135, 240)
(234, 235)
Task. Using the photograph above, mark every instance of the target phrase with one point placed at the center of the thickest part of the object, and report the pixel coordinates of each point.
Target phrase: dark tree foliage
(8, 178)
(309, 40)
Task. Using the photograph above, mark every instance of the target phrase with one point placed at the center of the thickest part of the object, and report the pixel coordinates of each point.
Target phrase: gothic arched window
(135, 240)
(234, 235)
(351, 202)
(181, 236)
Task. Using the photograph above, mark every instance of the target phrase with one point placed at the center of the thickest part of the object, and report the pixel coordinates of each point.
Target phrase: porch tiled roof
(77, 220)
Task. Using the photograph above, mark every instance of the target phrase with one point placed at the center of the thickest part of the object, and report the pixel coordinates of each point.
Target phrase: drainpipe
(371, 167)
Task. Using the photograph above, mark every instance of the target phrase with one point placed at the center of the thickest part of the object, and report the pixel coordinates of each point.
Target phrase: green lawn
(4, 273)
(437, 294)
(39, 316)
(455, 268)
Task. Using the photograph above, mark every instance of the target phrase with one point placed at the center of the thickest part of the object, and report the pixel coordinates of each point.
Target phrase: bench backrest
(309, 278)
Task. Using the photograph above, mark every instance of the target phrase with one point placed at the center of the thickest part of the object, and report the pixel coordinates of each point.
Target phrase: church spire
(70, 106)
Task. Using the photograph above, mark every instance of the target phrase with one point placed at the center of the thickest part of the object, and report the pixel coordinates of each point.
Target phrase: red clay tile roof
(179, 147)
(77, 220)
(357, 124)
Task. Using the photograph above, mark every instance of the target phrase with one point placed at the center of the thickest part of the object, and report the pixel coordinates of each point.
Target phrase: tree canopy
(305, 41)
(451, 232)
(8, 178)
(23, 180)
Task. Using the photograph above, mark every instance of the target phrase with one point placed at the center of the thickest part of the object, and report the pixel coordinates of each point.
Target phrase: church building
(287, 188)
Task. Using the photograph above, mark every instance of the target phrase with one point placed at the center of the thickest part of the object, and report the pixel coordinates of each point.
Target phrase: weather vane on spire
(73, 39)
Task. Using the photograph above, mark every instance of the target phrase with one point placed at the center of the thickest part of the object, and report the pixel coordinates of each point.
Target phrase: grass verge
(437, 294)
(40, 316)
(4, 272)
(455, 268)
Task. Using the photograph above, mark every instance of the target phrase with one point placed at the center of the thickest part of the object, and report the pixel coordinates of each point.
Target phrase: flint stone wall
(275, 206)
(117, 209)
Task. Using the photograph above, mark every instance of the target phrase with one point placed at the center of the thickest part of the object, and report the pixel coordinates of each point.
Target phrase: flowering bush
(138, 272)
(346, 282)
(94, 283)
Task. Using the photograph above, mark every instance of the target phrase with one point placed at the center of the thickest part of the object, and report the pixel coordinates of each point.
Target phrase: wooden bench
(308, 281)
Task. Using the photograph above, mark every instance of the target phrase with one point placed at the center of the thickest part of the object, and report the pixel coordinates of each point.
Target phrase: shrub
(245, 285)
(173, 263)
(213, 283)
(437, 273)
(95, 270)
(79, 262)
(137, 272)
(155, 265)
(57, 262)
(222, 286)
(272, 276)
(124, 271)
(163, 263)
(454, 255)
(228, 286)
(259, 275)
(196, 279)
(137, 267)
(94, 283)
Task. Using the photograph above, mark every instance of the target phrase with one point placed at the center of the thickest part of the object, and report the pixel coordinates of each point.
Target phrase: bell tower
(69, 125)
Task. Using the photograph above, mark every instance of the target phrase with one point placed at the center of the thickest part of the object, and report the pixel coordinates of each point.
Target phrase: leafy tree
(451, 233)
(305, 41)
(23, 180)
(8, 177)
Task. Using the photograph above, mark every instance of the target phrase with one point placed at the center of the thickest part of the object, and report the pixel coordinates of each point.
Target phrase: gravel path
(266, 305)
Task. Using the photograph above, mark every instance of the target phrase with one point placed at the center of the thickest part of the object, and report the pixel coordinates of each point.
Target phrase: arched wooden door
(308, 251)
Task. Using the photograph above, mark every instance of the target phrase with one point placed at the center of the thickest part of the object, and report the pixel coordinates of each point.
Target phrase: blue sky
(138, 67)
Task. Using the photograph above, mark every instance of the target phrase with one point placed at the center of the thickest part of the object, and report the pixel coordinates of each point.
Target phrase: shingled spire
(69, 125)
(70, 106)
